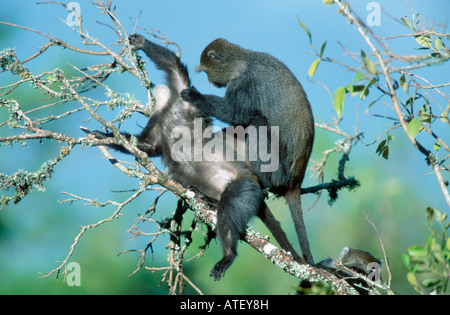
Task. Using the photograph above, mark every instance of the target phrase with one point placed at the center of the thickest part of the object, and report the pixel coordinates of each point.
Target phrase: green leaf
(358, 77)
(408, 23)
(430, 246)
(439, 216)
(339, 97)
(322, 49)
(412, 279)
(444, 217)
(430, 214)
(306, 30)
(364, 92)
(372, 82)
(424, 115)
(313, 68)
(349, 87)
(424, 40)
(420, 266)
(415, 22)
(414, 127)
(446, 227)
(416, 251)
(382, 144)
(328, 2)
(385, 153)
(429, 282)
(368, 64)
(406, 260)
(356, 89)
(383, 149)
(371, 104)
(437, 146)
(438, 43)
(403, 83)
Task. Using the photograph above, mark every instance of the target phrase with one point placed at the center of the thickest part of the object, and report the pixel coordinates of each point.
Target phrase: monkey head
(222, 61)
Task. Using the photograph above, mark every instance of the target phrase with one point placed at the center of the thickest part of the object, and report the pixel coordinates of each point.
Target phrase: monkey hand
(191, 95)
(137, 41)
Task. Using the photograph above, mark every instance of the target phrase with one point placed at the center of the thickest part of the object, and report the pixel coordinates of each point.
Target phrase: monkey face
(222, 62)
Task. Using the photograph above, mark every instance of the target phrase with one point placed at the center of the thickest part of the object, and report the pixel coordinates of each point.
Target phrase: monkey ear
(213, 54)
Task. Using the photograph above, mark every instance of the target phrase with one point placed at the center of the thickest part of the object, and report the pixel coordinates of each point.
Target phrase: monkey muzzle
(200, 68)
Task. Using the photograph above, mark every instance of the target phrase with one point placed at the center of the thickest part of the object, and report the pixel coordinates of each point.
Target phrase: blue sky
(262, 25)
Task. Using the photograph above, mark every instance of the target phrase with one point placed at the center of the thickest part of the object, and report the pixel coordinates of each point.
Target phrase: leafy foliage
(429, 265)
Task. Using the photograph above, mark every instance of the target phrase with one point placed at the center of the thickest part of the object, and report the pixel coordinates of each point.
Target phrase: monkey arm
(162, 57)
(165, 60)
(218, 107)
(211, 105)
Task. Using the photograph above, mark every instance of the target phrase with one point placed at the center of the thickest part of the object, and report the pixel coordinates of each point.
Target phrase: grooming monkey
(230, 185)
(262, 91)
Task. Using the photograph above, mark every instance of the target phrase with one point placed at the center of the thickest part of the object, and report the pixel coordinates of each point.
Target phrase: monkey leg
(240, 201)
(293, 199)
(275, 228)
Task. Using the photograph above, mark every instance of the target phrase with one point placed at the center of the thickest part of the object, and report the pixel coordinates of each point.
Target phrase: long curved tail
(295, 206)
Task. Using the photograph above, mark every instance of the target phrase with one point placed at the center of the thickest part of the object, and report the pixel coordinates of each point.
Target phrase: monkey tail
(295, 206)
(240, 201)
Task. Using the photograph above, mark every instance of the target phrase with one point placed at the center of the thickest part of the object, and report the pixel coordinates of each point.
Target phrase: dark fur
(230, 185)
(262, 91)
(356, 260)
